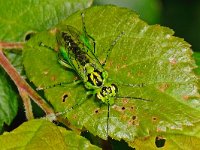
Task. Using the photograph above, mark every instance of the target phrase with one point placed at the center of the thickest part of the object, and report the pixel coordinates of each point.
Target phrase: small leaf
(8, 100)
(145, 54)
(42, 134)
(20, 18)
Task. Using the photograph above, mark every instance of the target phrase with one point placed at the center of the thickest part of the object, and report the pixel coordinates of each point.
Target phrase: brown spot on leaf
(125, 100)
(74, 116)
(53, 31)
(163, 87)
(53, 78)
(154, 119)
(173, 61)
(140, 73)
(108, 64)
(130, 122)
(118, 108)
(186, 97)
(133, 122)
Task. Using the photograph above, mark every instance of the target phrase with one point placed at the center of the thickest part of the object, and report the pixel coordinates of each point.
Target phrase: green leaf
(166, 141)
(144, 54)
(21, 17)
(42, 134)
(8, 100)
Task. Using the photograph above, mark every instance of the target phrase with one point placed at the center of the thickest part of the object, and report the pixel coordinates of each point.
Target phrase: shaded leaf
(8, 100)
(21, 17)
(15, 59)
(42, 134)
(144, 54)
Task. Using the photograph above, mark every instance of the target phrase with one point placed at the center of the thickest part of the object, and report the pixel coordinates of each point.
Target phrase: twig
(27, 104)
(9, 45)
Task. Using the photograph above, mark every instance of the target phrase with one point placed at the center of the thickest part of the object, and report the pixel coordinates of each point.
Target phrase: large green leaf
(144, 54)
(20, 17)
(166, 141)
(42, 134)
(8, 100)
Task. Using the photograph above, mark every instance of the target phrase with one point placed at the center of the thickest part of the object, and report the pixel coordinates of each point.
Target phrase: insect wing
(85, 52)
(72, 53)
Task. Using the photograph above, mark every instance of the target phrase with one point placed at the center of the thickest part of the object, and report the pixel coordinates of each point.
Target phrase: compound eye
(116, 89)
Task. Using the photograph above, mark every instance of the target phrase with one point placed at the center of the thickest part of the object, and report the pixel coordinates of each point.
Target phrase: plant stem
(27, 104)
(22, 85)
(9, 45)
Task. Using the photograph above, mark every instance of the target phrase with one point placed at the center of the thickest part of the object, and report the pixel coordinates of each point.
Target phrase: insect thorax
(94, 78)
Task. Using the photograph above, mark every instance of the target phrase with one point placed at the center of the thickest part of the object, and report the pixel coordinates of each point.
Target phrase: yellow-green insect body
(76, 52)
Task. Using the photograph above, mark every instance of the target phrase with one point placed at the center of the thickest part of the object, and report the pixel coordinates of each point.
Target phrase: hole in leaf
(96, 111)
(154, 118)
(29, 35)
(64, 97)
(55, 122)
(159, 141)
(117, 145)
(134, 117)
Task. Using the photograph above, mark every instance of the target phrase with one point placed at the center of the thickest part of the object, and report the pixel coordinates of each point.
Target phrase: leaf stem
(27, 104)
(23, 86)
(10, 45)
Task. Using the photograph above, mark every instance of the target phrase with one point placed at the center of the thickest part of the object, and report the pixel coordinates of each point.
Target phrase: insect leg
(73, 107)
(136, 98)
(86, 34)
(108, 116)
(111, 47)
(132, 85)
(58, 84)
